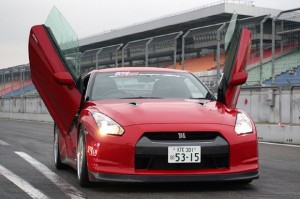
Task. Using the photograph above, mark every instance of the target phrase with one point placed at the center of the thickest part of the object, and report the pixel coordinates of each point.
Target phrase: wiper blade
(199, 98)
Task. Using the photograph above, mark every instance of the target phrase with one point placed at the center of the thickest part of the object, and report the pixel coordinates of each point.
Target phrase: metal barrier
(138, 50)
(206, 44)
(163, 50)
(145, 52)
(108, 56)
(206, 39)
(261, 49)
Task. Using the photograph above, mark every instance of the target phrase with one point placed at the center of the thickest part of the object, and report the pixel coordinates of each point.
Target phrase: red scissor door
(53, 49)
(237, 49)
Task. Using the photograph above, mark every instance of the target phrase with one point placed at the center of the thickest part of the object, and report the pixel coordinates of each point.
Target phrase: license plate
(184, 154)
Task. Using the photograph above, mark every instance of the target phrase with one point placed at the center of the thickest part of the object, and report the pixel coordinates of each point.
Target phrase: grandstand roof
(206, 15)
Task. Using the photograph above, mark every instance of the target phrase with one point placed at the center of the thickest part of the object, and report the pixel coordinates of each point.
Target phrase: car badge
(181, 136)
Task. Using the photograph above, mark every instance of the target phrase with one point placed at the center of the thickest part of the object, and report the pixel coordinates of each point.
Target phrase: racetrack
(27, 171)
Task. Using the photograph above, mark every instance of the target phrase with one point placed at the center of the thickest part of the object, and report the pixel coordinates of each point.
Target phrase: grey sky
(88, 17)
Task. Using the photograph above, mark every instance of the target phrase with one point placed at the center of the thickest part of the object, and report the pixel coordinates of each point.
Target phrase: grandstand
(16, 82)
(200, 64)
(192, 40)
(291, 77)
(285, 62)
(198, 37)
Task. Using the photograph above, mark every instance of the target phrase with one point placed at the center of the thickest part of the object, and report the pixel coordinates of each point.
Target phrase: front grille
(161, 163)
(163, 136)
(151, 152)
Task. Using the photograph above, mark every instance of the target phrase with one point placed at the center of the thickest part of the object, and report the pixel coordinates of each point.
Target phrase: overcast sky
(88, 17)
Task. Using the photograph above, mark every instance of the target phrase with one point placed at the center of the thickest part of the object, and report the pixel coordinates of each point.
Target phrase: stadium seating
(16, 89)
(21, 91)
(199, 64)
(207, 62)
(254, 58)
(7, 87)
(282, 64)
(286, 78)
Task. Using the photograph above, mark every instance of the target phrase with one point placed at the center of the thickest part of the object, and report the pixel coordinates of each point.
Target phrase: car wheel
(82, 172)
(56, 154)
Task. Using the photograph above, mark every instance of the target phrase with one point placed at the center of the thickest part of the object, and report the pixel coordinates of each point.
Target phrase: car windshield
(139, 85)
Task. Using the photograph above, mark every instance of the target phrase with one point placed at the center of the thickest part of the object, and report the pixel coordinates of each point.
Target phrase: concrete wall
(29, 108)
(268, 106)
(278, 133)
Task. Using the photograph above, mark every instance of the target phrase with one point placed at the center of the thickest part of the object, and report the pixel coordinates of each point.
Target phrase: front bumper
(118, 158)
(245, 176)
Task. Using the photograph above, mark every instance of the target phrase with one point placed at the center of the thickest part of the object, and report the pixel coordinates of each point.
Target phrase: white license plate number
(184, 154)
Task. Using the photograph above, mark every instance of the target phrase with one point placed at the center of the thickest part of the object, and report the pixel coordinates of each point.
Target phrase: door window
(65, 40)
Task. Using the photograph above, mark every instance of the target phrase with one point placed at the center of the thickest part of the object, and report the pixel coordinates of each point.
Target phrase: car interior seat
(170, 87)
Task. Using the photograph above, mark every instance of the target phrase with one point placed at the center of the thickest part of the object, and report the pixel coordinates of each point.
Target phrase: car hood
(166, 111)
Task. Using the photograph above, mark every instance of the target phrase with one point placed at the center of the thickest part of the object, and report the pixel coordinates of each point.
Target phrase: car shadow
(161, 187)
(170, 187)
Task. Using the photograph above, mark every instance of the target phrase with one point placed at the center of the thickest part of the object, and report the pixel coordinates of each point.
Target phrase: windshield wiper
(200, 98)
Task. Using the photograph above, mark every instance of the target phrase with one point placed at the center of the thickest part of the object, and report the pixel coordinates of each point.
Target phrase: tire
(82, 171)
(56, 154)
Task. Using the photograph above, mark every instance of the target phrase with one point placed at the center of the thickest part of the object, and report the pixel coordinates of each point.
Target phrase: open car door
(237, 50)
(53, 49)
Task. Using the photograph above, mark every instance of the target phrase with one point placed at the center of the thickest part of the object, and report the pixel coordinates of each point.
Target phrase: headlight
(243, 124)
(106, 125)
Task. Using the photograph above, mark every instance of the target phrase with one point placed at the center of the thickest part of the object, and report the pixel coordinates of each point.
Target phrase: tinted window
(65, 41)
(231, 46)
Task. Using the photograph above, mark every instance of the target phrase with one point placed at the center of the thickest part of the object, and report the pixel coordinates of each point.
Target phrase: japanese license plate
(184, 154)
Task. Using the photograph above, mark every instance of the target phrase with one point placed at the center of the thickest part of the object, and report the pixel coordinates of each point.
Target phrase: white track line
(22, 184)
(3, 143)
(53, 177)
(277, 144)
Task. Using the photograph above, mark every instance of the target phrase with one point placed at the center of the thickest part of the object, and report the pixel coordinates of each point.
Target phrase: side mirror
(64, 78)
(239, 78)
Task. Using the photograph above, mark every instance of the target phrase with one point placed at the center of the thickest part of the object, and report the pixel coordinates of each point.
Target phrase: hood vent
(200, 103)
(134, 104)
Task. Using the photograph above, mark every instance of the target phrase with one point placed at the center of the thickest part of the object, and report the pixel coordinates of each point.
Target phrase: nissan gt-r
(145, 124)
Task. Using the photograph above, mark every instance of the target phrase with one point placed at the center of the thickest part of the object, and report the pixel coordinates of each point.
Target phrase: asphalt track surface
(27, 171)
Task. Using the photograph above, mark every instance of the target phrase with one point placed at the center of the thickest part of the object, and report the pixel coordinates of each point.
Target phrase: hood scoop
(200, 103)
(134, 104)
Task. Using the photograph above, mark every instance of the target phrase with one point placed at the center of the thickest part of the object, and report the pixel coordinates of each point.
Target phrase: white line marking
(277, 144)
(3, 143)
(22, 184)
(53, 177)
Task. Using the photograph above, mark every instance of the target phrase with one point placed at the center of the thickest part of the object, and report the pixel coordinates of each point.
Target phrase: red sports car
(145, 124)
